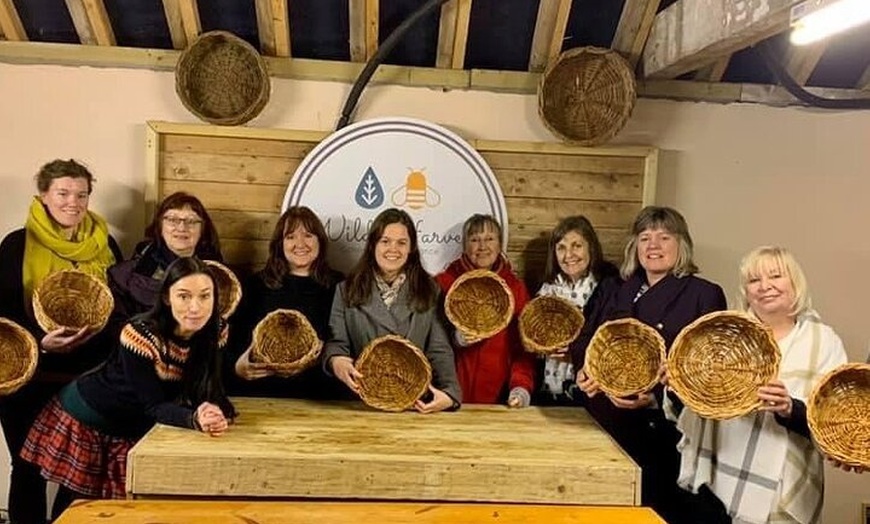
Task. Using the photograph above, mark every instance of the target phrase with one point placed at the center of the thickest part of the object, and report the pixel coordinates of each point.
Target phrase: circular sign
(417, 166)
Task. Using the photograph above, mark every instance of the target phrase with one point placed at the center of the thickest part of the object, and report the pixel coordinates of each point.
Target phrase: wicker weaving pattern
(479, 303)
(624, 357)
(72, 299)
(286, 341)
(229, 288)
(549, 323)
(395, 373)
(718, 362)
(222, 79)
(19, 356)
(838, 413)
(587, 95)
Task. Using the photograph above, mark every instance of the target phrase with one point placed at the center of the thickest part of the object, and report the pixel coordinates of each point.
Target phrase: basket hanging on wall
(586, 96)
(222, 79)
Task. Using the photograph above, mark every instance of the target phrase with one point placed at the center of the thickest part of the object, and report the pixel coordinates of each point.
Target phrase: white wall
(743, 175)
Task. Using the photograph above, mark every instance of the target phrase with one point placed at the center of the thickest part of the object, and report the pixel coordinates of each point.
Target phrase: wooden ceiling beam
(373, 27)
(460, 39)
(634, 28)
(549, 34)
(801, 61)
(172, 11)
(265, 28)
(91, 22)
(190, 19)
(453, 34)
(11, 27)
(691, 33)
(356, 16)
(281, 27)
(714, 71)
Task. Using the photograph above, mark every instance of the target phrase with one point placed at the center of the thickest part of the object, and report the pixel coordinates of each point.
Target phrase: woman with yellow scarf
(60, 233)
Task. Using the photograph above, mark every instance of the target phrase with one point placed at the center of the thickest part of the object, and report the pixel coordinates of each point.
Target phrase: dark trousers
(26, 485)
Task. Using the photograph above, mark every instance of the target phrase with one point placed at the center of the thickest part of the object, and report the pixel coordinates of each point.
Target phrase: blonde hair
(762, 260)
(670, 220)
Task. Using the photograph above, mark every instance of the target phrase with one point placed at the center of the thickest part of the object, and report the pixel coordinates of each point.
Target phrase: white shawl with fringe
(759, 470)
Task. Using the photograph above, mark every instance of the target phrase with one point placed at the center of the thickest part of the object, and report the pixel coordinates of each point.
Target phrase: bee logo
(416, 193)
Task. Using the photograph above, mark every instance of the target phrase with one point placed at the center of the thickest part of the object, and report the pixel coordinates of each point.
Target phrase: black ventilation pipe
(382, 52)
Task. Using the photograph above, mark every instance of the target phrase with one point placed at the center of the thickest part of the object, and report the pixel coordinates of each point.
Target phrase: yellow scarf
(47, 251)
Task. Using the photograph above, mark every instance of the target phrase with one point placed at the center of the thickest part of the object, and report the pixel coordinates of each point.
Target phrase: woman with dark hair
(389, 293)
(494, 370)
(166, 369)
(662, 291)
(297, 276)
(576, 271)
(181, 227)
(60, 233)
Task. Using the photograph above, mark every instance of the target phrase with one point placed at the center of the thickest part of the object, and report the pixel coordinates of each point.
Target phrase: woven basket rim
(623, 69)
(696, 402)
(235, 285)
(534, 346)
(813, 415)
(12, 385)
(302, 362)
(646, 328)
(368, 352)
(47, 324)
(186, 63)
(471, 275)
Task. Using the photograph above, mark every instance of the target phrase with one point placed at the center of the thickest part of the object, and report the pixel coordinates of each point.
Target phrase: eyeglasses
(177, 222)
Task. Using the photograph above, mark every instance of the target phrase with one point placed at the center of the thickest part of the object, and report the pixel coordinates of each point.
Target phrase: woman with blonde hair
(763, 466)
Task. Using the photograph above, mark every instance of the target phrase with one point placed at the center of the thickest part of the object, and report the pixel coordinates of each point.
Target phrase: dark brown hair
(208, 247)
(277, 266)
(581, 225)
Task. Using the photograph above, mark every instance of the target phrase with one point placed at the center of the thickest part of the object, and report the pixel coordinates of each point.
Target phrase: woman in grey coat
(389, 293)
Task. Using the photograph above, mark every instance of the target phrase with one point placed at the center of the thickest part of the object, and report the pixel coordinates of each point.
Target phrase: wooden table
(236, 512)
(293, 448)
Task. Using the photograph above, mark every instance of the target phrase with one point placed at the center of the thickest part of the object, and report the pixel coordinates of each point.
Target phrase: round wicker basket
(285, 340)
(20, 355)
(624, 357)
(395, 373)
(479, 304)
(586, 95)
(72, 299)
(229, 288)
(838, 413)
(222, 79)
(718, 362)
(549, 323)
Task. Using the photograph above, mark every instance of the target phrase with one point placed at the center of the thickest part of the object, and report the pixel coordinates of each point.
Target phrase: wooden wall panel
(241, 176)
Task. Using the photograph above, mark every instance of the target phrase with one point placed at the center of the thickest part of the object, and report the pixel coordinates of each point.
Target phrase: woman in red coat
(494, 370)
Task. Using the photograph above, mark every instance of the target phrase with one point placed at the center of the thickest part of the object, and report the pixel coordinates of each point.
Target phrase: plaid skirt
(77, 456)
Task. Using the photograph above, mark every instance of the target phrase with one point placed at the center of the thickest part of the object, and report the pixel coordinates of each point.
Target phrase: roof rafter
(801, 61)
(273, 27)
(190, 19)
(91, 22)
(691, 33)
(453, 34)
(864, 81)
(265, 28)
(10, 23)
(356, 16)
(714, 71)
(549, 32)
(633, 28)
(172, 10)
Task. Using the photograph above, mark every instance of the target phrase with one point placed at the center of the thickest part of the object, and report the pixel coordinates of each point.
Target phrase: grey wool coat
(353, 328)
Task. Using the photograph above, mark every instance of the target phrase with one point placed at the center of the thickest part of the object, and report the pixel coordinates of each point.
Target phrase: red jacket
(490, 368)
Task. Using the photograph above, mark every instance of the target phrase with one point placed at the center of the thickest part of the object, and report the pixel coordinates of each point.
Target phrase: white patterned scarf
(389, 292)
(759, 470)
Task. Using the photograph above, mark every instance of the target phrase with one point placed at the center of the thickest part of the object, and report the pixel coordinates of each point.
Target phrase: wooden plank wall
(241, 176)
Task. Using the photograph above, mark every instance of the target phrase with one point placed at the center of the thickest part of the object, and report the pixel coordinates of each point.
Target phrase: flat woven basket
(286, 341)
(20, 354)
(718, 362)
(395, 373)
(839, 414)
(586, 95)
(72, 299)
(624, 357)
(479, 303)
(549, 323)
(222, 79)
(229, 288)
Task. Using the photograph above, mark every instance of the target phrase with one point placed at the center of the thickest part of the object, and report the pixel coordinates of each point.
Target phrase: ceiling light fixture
(814, 20)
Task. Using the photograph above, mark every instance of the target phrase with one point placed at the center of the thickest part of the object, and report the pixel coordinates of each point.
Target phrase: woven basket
(479, 303)
(72, 299)
(286, 341)
(222, 79)
(718, 362)
(229, 288)
(587, 95)
(549, 323)
(20, 354)
(838, 413)
(395, 373)
(624, 357)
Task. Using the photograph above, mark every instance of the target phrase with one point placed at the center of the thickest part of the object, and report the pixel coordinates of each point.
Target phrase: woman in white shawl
(763, 466)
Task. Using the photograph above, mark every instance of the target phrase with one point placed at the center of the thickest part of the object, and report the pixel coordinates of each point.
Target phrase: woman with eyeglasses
(181, 228)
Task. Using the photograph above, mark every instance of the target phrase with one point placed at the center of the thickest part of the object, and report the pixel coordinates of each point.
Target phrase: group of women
(167, 356)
